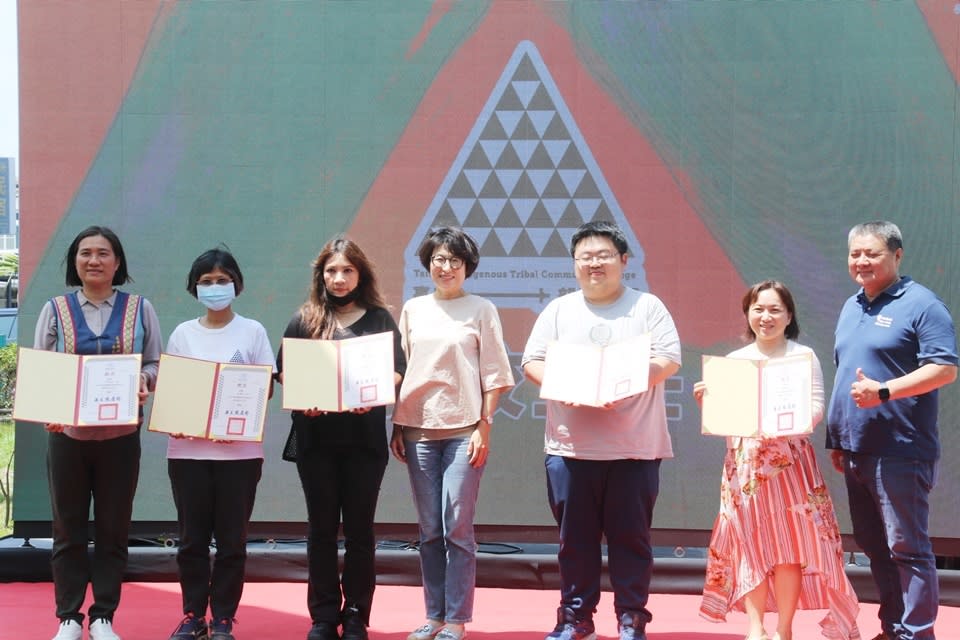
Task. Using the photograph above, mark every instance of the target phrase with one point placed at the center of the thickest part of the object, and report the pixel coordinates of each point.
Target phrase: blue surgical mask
(216, 297)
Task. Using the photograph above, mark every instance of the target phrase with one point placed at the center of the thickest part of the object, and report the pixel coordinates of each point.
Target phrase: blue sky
(9, 134)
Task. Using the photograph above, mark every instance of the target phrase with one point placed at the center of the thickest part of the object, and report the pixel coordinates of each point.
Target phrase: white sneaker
(69, 630)
(102, 629)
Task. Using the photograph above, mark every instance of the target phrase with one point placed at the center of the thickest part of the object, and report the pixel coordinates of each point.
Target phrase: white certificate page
(240, 402)
(366, 365)
(786, 397)
(625, 369)
(108, 390)
(591, 375)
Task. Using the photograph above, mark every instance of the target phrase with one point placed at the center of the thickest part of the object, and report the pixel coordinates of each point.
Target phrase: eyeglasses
(603, 258)
(209, 283)
(454, 262)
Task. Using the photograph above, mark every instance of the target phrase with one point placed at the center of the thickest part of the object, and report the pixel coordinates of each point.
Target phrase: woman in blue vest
(95, 463)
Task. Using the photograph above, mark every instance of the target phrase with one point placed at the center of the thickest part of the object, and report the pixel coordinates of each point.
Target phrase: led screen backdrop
(732, 141)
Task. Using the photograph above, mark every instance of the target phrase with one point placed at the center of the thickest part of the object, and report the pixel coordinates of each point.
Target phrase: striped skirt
(775, 509)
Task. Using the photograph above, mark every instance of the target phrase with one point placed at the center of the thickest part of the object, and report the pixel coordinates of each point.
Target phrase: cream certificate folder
(338, 375)
(595, 375)
(75, 390)
(758, 398)
(214, 400)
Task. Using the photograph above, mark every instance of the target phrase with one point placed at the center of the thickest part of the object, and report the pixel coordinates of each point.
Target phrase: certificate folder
(75, 390)
(758, 398)
(338, 375)
(213, 400)
(595, 375)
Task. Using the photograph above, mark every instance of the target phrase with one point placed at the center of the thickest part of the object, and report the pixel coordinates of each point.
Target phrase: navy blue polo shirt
(904, 328)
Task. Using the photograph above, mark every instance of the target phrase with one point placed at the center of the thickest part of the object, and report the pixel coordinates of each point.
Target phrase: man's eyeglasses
(586, 259)
(454, 262)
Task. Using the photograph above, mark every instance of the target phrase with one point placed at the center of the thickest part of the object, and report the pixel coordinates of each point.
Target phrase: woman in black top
(341, 457)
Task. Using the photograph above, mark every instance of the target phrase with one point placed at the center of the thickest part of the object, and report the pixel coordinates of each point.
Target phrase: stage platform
(277, 610)
(499, 565)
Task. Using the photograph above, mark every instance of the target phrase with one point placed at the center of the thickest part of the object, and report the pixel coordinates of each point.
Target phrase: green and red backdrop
(733, 141)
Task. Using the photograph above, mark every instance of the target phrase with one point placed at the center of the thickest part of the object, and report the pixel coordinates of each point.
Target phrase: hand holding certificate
(218, 401)
(80, 391)
(758, 398)
(338, 375)
(594, 375)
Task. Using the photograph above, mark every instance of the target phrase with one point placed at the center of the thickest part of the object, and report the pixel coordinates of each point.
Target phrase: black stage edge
(947, 549)
(499, 564)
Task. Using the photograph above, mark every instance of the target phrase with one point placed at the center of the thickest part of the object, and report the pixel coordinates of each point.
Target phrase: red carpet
(150, 611)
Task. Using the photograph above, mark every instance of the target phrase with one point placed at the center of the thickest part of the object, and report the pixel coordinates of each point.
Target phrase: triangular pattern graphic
(527, 178)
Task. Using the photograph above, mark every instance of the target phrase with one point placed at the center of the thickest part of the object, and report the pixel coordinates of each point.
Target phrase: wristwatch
(883, 393)
(487, 419)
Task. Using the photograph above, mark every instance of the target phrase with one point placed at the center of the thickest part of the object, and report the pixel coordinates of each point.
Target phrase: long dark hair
(317, 312)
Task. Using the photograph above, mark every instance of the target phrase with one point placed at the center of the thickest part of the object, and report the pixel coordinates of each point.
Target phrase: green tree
(9, 264)
(6, 475)
(8, 375)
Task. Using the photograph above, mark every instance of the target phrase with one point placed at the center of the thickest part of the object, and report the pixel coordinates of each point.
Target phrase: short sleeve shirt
(902, 329)
(636, 428)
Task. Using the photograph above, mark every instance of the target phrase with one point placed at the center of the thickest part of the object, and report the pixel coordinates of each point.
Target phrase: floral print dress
(775, 509)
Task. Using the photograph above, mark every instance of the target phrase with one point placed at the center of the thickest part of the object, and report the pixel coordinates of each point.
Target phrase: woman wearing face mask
(98, 463)
(214, 482)
(341, 457)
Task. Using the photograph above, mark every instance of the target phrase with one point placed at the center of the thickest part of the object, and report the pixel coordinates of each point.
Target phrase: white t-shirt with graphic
(636, 427)
(242, 341)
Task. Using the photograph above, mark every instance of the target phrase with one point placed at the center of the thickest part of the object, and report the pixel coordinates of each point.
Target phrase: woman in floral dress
(775, 544)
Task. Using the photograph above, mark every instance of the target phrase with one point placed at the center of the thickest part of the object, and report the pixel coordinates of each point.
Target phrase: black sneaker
(323, 631)
(221, 629)
(191, 628)
(570, 627)
(353, 625)
(631, 628)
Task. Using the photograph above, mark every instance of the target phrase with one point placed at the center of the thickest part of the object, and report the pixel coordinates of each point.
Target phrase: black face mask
(342, 301)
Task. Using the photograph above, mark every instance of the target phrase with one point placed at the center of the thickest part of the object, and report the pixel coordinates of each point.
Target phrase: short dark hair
(793, 329)
(603, 229)
(70, 260)
(457, 241)
(219, 258)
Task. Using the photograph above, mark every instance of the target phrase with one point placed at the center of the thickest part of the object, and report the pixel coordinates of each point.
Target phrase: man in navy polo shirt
(895, 346)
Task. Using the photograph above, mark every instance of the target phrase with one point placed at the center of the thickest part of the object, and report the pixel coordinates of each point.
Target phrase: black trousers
(341, 481)
(214, 500)
(104, 472)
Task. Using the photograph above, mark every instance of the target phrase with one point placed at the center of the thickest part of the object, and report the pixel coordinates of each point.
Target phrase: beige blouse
(455, 353)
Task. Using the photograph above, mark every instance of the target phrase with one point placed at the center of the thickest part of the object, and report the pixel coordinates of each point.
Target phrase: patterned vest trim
(123, 333)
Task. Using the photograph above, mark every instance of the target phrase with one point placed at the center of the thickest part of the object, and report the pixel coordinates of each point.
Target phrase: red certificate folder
(338, 375)
(214, 400)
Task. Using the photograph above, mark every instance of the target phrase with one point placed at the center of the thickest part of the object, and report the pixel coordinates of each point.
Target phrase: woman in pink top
(457, 366)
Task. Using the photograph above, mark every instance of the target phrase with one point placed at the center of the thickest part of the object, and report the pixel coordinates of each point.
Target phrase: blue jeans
(889, 508)
(593, 498)
(445, 489)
